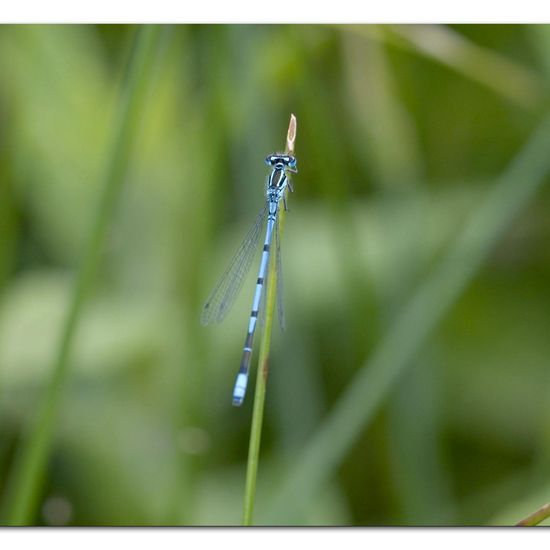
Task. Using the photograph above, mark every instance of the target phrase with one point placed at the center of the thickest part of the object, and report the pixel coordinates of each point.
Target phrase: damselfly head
(281, 161)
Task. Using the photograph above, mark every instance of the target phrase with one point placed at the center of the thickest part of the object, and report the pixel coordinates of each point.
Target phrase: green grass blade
(30, 462)
(489, 68)
(418, 318)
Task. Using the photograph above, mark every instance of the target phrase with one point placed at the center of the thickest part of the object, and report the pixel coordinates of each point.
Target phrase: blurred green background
(403, 131)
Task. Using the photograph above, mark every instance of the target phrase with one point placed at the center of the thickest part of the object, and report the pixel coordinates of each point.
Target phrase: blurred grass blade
(443, 44)
(392, 155)
(386, 139)
(539, 36)
(423, 480)
(30, 462)
(418, 318)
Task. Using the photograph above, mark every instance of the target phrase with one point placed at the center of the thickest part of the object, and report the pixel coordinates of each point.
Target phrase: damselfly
(225, 292)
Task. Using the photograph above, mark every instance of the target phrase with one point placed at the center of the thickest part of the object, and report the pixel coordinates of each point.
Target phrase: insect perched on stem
(224, 294)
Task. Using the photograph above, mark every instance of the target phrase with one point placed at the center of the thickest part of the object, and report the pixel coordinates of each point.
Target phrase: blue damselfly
(224, 293)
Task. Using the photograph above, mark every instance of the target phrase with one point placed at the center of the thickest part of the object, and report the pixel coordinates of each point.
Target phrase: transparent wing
(224, 293)
(279, 268)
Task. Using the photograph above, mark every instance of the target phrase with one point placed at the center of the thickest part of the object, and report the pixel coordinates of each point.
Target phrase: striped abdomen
(239, 390)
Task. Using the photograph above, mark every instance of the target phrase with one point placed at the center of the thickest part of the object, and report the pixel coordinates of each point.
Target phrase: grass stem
(263, 363)
(536, 517)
